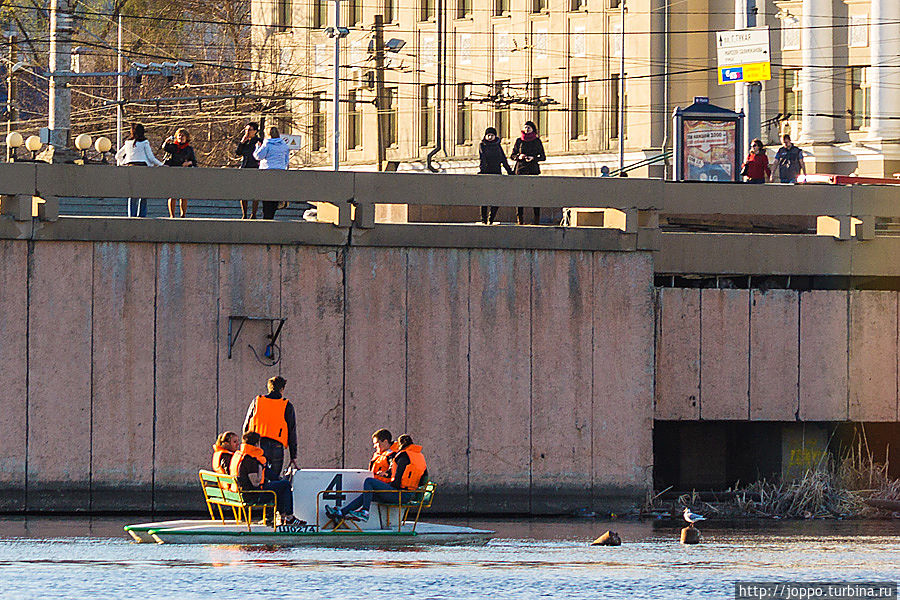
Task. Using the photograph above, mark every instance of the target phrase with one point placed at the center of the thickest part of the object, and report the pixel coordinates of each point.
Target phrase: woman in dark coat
(179, 153)
(528, 152)
(492, 159)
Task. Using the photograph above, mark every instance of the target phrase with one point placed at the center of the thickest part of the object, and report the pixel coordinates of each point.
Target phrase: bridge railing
(843, 212)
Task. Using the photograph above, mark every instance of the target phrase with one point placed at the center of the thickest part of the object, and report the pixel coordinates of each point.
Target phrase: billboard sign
(743, 55)
(707, 142)
(709, 149)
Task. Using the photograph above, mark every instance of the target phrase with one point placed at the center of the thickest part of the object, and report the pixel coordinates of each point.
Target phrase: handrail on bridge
(846, 209)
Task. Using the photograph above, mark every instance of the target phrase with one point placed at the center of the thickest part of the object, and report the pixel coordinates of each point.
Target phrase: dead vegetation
(855, 485)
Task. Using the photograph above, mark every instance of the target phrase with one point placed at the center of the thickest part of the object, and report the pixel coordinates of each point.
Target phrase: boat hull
(216, 532)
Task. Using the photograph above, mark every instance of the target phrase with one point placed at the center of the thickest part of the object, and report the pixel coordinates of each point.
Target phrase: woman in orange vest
(272, 417)
(408, 471)
(385, 448)
(226, 445)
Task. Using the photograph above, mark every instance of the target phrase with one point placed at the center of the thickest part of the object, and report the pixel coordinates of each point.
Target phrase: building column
(884, 74)
(817, 75)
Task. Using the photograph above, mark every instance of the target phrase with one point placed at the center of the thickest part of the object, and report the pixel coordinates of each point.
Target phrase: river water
(91, 558)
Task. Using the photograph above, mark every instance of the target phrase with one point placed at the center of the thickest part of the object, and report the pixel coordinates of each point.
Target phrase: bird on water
(692, 517)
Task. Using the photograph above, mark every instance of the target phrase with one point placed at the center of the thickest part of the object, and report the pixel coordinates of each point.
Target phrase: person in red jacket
(756, 167)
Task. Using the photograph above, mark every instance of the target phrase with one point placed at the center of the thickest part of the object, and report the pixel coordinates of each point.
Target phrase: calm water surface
(91, 558)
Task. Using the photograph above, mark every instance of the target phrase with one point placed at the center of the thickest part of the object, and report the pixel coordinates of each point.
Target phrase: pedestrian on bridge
(136, 151)
(528, 151)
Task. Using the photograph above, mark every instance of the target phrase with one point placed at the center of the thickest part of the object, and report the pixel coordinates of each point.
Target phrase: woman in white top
(136, 151)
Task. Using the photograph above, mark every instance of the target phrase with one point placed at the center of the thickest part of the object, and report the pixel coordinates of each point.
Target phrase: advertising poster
(709, 150)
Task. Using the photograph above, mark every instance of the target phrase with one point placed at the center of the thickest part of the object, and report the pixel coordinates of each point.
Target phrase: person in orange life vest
(248, 468)
(385, 448)
(272, 417)
(407, 471)
(226, 445)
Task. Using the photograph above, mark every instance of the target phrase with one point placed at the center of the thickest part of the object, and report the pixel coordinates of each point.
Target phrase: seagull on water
(691, 517)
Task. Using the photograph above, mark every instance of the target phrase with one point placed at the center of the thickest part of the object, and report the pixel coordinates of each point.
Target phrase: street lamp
(83, 142)
(33, 145)
(14, 141)
(103, 145)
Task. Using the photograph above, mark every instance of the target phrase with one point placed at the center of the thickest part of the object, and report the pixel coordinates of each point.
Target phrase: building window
(501, 7)
(860, 108)
(577, 4)
(539, 96)
(428, 106)
(463, 113)
(614, 3)
(501, 108)
(354, 12)
(354, 121)
(427, 10)
(790, 94)
(390, 117)
(539, 6)
(317, 139)
(283, 10)
(579, 107)
(319, 13)
(463, 9)
(388, 11)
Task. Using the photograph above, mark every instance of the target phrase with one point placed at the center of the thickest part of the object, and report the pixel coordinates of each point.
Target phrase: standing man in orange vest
(272, 417)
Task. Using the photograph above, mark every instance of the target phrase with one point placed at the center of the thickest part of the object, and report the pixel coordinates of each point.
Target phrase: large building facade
(835, 78)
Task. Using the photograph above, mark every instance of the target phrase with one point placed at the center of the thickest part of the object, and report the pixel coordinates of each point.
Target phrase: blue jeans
(284, 496)
(137, 207)
(378, 491)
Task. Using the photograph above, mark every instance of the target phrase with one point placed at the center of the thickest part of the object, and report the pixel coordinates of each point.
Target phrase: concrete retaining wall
(777, 355)
(526, 374)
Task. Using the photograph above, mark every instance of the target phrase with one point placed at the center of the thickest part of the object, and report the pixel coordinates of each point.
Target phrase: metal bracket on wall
(234, 332)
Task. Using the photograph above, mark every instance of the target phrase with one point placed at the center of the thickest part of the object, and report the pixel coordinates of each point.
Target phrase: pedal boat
(389, 525)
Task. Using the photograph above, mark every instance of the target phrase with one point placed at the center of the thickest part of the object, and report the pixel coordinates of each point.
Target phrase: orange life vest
(247, 450)
(268, 419)
(218, 452)
(413, 472)
(381, 462)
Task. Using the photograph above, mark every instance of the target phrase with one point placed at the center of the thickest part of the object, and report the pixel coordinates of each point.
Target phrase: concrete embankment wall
(777, 355)
(526, 374)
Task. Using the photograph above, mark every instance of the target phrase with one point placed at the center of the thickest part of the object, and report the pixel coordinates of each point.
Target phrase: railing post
(365, 215)
(17, 206)
(48, 210)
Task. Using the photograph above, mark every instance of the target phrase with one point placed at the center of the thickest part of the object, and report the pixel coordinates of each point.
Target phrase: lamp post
(337, 32)
(622, 90)
(83, 142)
(103, 145)
(14, 141)
(33, 144)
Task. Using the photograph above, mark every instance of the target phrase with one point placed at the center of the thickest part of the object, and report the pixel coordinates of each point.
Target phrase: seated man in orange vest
(407, 470)
(226, 445)
(248, 468)
(385, 448)
(272, 417)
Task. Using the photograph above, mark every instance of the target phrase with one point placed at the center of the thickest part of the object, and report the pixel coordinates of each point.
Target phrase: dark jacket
(492, 158)
(245, 151)
(530, 148)
(176, 157)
